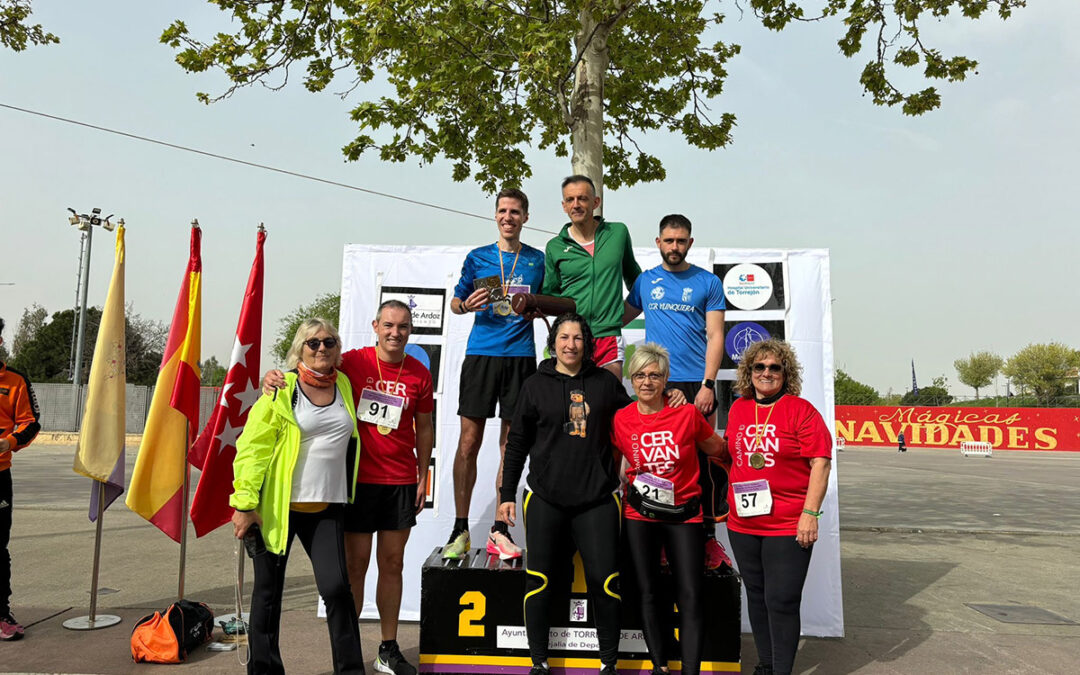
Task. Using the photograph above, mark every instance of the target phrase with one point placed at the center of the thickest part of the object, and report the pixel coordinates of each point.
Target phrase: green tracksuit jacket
(592, 280)
(266, 455)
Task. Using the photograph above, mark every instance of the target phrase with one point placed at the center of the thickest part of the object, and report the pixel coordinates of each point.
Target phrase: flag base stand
(88, 623)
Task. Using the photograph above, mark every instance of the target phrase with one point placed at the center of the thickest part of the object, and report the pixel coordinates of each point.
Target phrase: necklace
(757, 459)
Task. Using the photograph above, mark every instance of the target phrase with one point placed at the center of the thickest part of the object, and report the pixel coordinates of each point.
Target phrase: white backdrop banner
(769, 292)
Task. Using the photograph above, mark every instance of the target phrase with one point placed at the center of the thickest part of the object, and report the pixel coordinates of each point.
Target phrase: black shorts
(487, 379)
(712, 477)
(381, 507)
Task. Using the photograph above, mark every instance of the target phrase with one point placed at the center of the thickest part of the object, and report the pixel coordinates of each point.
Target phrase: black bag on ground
(167, 637)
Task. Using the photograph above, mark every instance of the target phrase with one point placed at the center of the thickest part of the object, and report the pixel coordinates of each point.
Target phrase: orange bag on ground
(168, 637)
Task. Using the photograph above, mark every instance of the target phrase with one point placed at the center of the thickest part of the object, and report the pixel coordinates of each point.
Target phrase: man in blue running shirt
(684, 313)
(501, 353)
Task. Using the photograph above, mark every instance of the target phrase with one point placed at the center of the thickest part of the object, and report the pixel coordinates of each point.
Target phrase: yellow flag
(101, 438)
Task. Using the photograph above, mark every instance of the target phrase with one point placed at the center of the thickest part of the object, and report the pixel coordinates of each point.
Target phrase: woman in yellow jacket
(294, 470)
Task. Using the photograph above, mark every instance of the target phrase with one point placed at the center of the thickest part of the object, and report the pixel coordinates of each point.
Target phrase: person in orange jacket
(19, 425)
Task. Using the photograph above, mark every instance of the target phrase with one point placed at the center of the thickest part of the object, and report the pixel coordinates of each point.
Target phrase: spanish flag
(155, 492)
(100, 451)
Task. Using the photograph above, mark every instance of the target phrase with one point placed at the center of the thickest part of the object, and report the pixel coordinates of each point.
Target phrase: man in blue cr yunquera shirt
(684, 312)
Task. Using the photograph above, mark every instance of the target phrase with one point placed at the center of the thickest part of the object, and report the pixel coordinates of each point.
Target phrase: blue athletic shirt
(494, 335)
(675, 306)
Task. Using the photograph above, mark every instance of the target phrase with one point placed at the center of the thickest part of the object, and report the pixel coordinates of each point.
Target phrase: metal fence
(58, 412)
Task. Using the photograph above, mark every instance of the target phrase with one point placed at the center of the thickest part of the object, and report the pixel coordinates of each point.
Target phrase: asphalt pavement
(924, 536)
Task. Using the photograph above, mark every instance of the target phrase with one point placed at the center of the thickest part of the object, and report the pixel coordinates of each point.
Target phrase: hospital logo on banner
(752, 286)
(427, 306)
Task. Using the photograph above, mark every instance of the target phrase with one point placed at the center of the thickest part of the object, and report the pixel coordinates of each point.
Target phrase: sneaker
(539, 670)
(715, 555)
(391, 662)
(608, 670)
(458, 546)
(502, 545)
(10, 629)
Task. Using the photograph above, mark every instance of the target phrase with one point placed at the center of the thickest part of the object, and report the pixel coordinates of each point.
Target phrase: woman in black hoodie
(563, 424)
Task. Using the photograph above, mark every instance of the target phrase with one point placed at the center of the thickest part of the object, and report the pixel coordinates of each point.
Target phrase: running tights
(322, 535)
(773, 570)
(684, 544)
(551, 535)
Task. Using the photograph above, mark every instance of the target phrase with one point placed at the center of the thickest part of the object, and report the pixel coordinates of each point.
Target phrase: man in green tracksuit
(586, 262)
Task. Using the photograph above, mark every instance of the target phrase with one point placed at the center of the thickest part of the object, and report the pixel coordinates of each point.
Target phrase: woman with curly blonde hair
(781, 453)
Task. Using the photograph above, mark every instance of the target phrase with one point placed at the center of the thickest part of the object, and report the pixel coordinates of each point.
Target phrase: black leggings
(773, 570)
(322, 535)
(684, 544)
(551, 534)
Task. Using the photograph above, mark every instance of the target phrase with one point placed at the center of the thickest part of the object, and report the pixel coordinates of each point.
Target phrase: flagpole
(184, 515)
(93, 621)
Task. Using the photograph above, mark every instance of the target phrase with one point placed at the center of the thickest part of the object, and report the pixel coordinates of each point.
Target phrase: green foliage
(1042, 369)
(47, 356)
(978, 370)
(213, 373)
(33, 318)
(326, 306)
(936, 394)
(478, 82)
(15, 33)
(896, 31)
(852, 392)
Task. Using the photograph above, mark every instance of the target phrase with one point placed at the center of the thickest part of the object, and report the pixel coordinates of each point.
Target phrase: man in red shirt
(394, 404)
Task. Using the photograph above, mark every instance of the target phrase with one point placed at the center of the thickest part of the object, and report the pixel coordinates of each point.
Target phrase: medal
(385, 431)
(757, 460)
(502, 308)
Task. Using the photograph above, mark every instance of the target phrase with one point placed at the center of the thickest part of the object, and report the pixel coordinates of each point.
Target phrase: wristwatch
(708, 384)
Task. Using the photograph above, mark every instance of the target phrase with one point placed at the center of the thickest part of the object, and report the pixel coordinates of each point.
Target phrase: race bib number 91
(381, 409)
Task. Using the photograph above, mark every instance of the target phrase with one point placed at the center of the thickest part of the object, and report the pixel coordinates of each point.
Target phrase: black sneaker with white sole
(390, 660)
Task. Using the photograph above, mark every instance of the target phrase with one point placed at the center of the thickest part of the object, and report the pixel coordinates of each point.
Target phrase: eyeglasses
(313, 343)
(773, 368)
(651, 377)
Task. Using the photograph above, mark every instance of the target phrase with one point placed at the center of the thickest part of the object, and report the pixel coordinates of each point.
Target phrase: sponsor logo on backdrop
(742, 336)
(427, 305)
(747, 286)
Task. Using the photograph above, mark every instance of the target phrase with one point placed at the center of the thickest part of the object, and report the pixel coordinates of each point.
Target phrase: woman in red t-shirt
(781, 454)
(662, 509)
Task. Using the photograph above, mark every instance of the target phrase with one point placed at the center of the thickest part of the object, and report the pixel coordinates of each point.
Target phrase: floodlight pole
(76, 371)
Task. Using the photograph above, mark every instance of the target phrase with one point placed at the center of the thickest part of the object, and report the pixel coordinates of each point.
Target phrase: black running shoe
(539, 670)
(391, 662)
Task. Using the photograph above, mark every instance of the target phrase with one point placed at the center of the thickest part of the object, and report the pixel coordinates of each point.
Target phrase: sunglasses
(772, 367)
(313, 343)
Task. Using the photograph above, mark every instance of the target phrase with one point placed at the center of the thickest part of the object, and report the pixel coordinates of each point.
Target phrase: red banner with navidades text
(1004, 428)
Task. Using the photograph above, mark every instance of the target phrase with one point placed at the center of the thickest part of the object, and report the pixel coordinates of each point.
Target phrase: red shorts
(609, 349)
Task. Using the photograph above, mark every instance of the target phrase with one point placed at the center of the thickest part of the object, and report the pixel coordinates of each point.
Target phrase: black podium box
(472, 621)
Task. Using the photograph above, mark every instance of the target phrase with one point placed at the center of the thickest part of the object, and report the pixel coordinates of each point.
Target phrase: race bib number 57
(752, 498)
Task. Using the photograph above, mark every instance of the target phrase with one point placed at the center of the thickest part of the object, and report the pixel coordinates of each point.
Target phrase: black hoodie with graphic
(562, 423)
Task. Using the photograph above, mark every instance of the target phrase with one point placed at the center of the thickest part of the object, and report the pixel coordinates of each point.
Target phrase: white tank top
(320, 474)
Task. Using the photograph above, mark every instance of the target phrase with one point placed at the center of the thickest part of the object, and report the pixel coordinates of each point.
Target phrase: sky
(949, 233)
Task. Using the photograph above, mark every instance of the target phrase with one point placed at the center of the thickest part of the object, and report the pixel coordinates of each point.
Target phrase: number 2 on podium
(475, 607)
